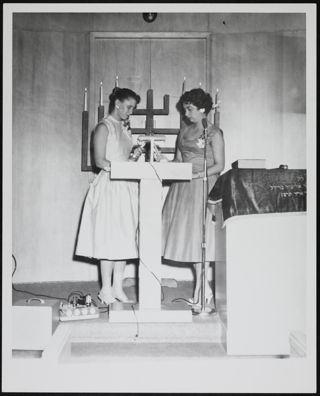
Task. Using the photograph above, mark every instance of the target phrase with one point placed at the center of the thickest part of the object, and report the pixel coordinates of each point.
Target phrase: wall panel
(257, 63)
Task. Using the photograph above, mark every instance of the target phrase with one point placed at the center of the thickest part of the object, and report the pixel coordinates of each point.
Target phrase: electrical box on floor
(69, 312)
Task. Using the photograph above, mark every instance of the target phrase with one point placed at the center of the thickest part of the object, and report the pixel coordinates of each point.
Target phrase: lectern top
(146, 170)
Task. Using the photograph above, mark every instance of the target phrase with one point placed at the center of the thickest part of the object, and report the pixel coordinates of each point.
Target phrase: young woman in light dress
(109, 223)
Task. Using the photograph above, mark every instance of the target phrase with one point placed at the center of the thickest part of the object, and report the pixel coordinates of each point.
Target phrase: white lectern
(150, 211)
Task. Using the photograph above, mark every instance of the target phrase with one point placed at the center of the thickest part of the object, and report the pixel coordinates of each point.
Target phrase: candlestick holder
(85, 146)
(100, 112)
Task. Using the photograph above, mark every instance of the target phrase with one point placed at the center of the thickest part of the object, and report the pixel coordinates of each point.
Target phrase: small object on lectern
(135, 153)
(249, 164)
(147, 150)
(283, 167)
(144, 139)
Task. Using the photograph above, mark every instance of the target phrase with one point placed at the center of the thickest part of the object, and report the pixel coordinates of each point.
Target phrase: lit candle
(117, 81)
(216, 97)
(101, 94)
(200, 84)
(85, 107)
(184, 85)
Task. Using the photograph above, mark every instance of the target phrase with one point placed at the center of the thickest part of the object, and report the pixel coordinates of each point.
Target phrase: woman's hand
(135, 154)
(197, 175)
(158, 156)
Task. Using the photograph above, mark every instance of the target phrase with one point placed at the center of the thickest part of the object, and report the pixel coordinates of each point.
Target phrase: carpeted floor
(64, 289)
(95, 349)
(100, 346)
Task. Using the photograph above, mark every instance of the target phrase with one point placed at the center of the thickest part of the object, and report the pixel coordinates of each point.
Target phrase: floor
(98, 339)
(64, 289)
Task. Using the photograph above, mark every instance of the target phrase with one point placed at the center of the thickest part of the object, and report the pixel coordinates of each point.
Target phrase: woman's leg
(106, 268)
(197, 289)
(118, 272)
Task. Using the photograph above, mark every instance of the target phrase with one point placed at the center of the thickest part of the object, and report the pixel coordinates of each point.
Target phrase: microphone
(205, 132)
(204, 123)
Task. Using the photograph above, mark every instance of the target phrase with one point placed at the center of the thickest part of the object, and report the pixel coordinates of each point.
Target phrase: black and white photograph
(159, 198)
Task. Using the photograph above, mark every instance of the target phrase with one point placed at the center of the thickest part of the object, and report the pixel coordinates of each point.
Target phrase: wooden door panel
(127, 58)
(147, 60)
(170, 63)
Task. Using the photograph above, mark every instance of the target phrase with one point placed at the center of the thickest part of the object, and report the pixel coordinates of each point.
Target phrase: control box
(79, 309)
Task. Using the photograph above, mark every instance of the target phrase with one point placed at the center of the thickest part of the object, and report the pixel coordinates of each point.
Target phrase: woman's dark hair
(121, 94)
(197, 97)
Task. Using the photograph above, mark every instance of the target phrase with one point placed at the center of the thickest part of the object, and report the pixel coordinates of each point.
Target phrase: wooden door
(141, 61)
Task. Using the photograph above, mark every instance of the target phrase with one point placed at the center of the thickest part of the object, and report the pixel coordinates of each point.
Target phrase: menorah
(149, 112)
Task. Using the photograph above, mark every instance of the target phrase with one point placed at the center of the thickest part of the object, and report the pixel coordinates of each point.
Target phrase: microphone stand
(204, 310)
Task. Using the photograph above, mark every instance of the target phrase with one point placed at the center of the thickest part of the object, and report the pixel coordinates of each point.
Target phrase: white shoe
(106, 300)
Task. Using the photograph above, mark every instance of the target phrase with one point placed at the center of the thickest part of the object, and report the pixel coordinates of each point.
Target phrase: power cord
(159, 281)
(76, 293)
(162, 293)
(187, 301)
(33, 294)
(137, 322)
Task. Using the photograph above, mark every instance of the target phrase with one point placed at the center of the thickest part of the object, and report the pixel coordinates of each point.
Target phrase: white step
(206, 329)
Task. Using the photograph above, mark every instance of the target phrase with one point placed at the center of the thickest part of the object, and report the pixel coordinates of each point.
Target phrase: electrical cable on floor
(187, 301)
(33, 294)
(159, 281)
(137, 322)
(73, 293)
(162, 293)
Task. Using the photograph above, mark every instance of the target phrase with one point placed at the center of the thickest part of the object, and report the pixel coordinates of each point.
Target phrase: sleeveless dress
(182, 210)
(109, 222)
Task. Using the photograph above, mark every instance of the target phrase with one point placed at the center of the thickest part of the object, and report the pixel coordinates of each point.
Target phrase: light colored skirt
(109, 222)
(182, 223)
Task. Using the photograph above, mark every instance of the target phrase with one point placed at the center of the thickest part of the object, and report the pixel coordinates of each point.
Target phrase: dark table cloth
(255, 191)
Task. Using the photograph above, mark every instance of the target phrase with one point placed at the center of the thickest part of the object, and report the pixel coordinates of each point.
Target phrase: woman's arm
(217, 146)
(178, 156)
(162, 158)
(99, 147)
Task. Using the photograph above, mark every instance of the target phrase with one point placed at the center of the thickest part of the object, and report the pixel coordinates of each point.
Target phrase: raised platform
(129, 313)
(200, 329)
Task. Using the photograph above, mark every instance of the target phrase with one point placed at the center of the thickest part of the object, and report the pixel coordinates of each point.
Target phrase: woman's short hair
(121, 94)
(197, 97)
